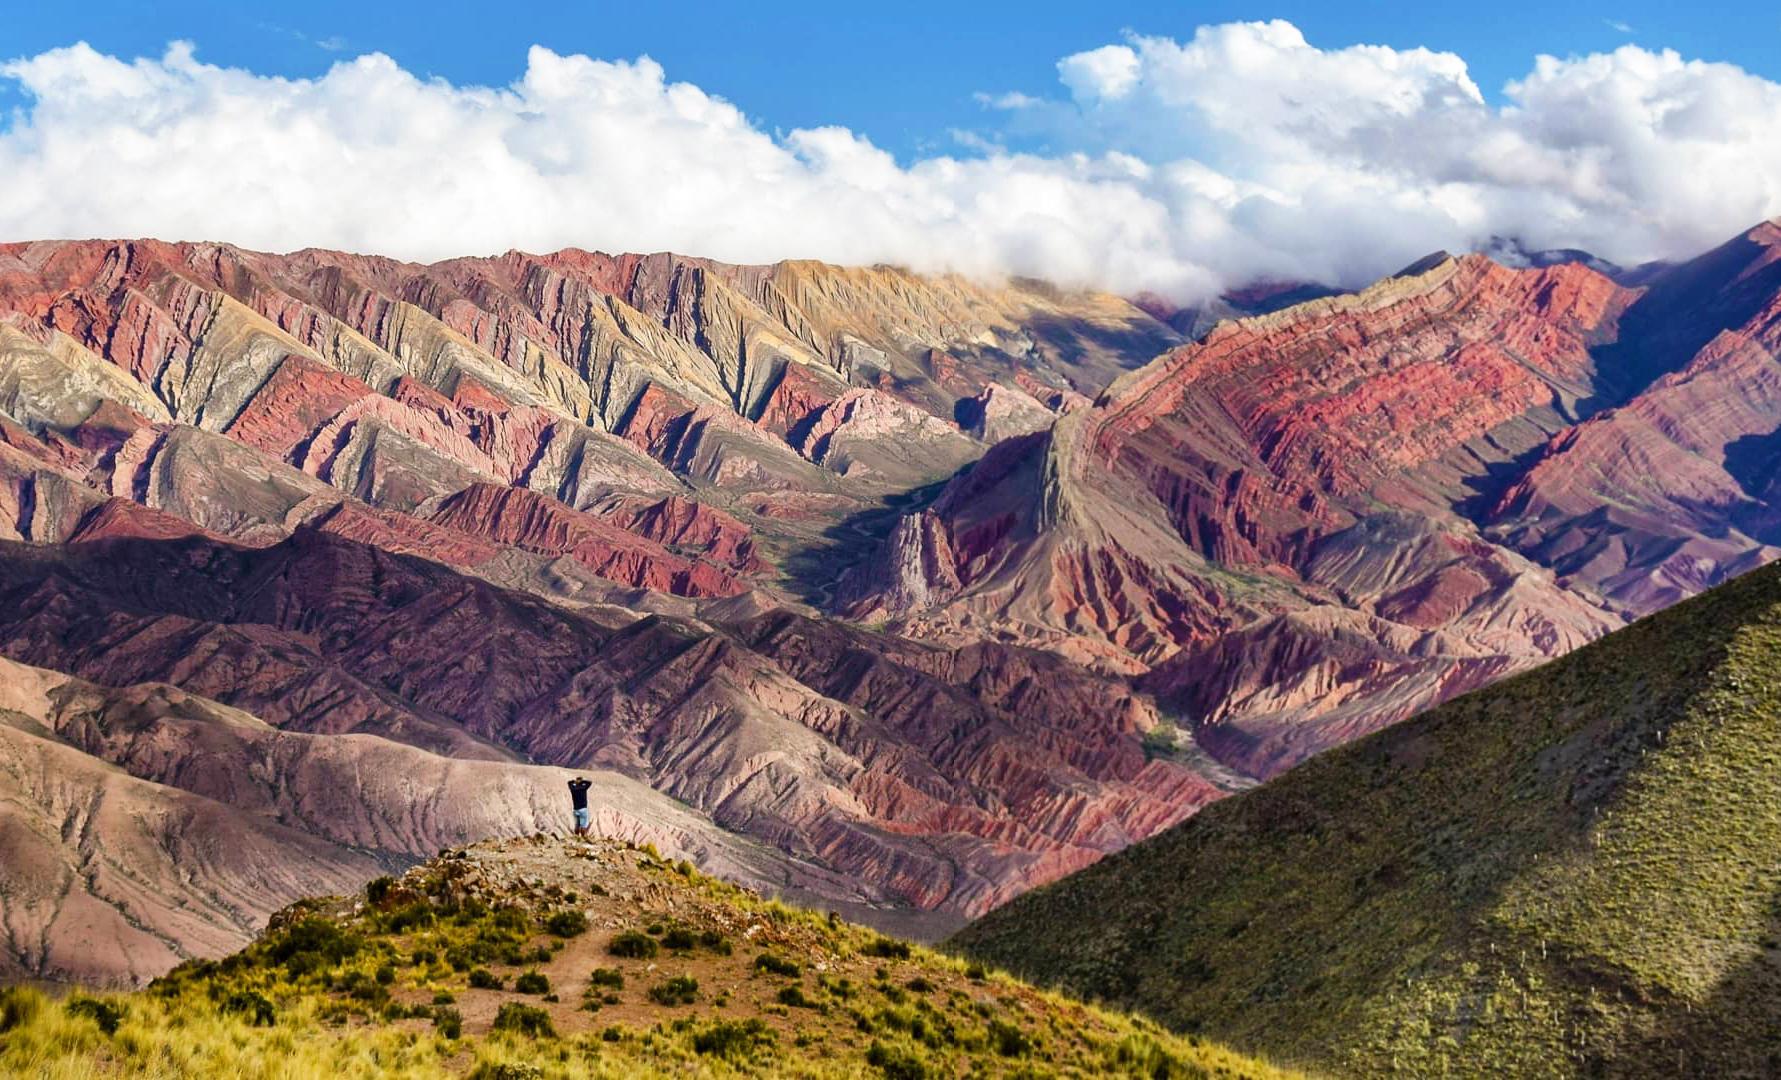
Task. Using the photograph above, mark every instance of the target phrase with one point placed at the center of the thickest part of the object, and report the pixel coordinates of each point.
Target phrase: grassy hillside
(1575, 872)
(529, 959)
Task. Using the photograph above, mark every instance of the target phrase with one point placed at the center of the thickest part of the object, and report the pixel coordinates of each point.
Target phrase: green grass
(1576, 871)
(341, 988)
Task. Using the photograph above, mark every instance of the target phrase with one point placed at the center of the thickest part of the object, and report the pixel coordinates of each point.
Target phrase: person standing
(578, 795)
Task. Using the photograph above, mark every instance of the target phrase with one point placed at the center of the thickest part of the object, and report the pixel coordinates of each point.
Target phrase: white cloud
(1242, 152)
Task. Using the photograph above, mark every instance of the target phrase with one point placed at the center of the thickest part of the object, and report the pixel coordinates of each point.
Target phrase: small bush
(423, 957)
(895, 1062)
(511, 918)
(716, 942)
(362, 987)
(445, 997)
(106, 1014)
(312, 944)
(484, 979)
(633, 945)
(680, 990)
(525, 1019)
(975, 973)
(736, 1040)
(607, 977)
(258, 1010)
(449, 1022)
(888, 948)
(506, 1070)
(1009, 1040)
(566, 924)
(920, 985)
(378, 889)
(679, 938)
(794, 997)
(532, 982)
(777, 965)
(386, 975)
(18, 1006)
(408, 917)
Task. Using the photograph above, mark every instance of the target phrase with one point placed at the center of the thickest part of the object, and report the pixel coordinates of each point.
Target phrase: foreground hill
(552, 958)
(1576, 871)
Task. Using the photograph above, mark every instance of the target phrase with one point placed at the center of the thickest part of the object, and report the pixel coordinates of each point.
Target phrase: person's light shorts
(581, 818)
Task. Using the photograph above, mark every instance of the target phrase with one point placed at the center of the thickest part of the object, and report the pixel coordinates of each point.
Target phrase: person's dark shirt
(578, 792)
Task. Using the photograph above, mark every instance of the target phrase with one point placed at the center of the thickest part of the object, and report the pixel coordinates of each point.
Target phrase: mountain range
(894, 594)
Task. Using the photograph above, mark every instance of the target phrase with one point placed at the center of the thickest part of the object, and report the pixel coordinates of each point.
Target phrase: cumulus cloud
(1185, 167)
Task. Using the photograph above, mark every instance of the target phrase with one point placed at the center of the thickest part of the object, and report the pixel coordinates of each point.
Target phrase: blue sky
(1171, 148)
(903, 74)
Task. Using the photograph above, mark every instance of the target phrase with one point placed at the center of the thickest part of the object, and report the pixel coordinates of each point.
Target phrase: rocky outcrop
(532, 522)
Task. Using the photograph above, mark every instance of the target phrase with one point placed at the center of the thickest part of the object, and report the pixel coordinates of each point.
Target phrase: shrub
(777, 965)
(888, 948)
(386, 975)
(794, 996)
(607, 977)
(423, 957)
(895, 1062)
(975, 973)
(312, 944)
(260, 1012)
(378, 889)
(633, 945)
(18, 1006)
(408, 917)
(445, 997)
(680, 990)
(736, 1040)
(524, 1019)
(506, 1070)
(532, 982)
(511, 918)
(716, 942)
(362, 987)
(920, 985)
(484, 979)
(1009, 1040)
(679, 938)
(106, 1014)
(566, 924)
(449, 1022)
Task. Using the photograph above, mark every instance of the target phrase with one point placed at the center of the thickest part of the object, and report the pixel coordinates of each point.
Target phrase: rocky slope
(929, 781)
(544, 958)
(1315, 522)
(1570, 873)
(144, 825)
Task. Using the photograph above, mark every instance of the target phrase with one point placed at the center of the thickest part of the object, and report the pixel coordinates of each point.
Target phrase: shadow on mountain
(1736, 1033)
(1135, 344)
(1683, 309)
(813, 572)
